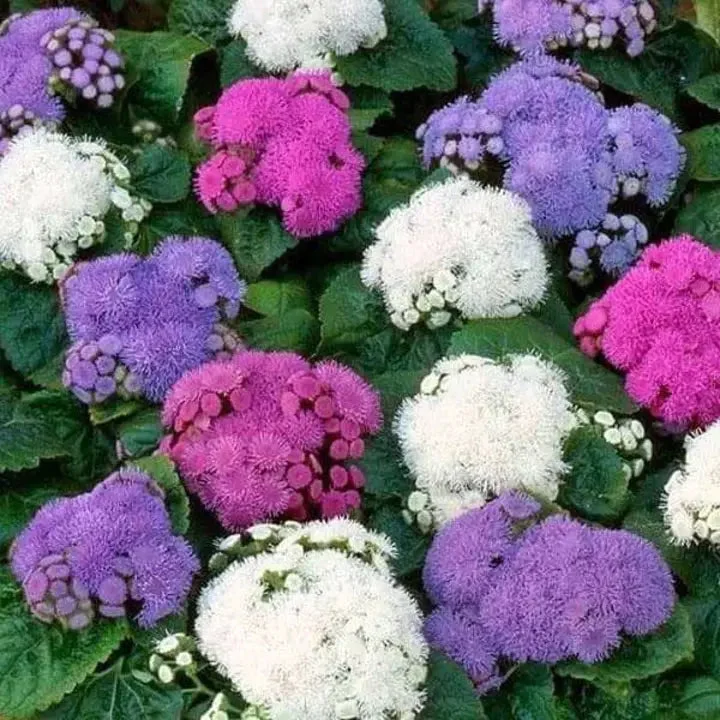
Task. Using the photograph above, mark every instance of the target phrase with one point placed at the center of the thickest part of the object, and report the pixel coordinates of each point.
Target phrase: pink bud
(339, 449)
(299, 476)
(324, 407)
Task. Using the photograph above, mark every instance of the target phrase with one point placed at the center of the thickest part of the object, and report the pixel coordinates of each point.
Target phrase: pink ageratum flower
(268, 435)
(284, 143)
(660, 324)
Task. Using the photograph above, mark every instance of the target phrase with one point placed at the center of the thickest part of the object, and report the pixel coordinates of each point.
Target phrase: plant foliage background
(308, 297)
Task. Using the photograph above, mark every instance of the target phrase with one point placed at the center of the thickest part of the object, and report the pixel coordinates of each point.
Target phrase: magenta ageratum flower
(284, 143)
(569, 157)
(557, 590)
(268, 435)
(660, 324)
(50, 50)
(138, 324)
(108, 553)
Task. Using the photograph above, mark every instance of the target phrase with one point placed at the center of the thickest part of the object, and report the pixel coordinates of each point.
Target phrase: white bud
(605, 418)
(612, 436)
(681, 526)
(422, 303)
(357, 545)
(436, 299)
(627, 472)
(638, 465)
(715, 538)
(417, 501)
(120, 172)
(439, 319)
(713, 519)
(347, 709)
(166, 674)
(646, 450)
(425, 520)
(637, 429)
(629, 441)
(701, 529)
(168, 645)
(293, 582)
(407, 517)
(398, 321)
(261, 532)
(411, 316)
(444, 280)
(230, 543)
(155, 662)
(184, 659)
(631, 187)
(86, 226)
(429, 384)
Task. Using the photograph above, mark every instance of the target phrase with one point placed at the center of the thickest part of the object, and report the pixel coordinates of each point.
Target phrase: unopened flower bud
(165, 674)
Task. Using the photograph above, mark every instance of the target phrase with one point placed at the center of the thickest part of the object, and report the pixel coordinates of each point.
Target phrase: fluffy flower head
(290, 630)
(457, 238)
(660, 324)
(692, 494)
(283, 35)
(479, 427)
(556, 590)
(54, 193)
(268, 435)
(102, 553)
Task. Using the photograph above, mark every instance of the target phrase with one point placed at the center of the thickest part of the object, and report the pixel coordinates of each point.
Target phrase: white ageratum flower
(319, 633)
(457, 245)
(692, 494)
(479, 427)
(55, 192)
(282, 35)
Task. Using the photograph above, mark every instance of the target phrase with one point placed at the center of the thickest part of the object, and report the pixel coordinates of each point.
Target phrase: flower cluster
(314, 626)
(660, 325)
(580, 166)
(51, 52)
(284, 143)
(692, 494)
(555, 590)
(550, 24)
(173, 654)
(282, 35)
(268, 435)
(479, 427)
(55, 193)
(457, 246)
(108, 552)
(138, 324)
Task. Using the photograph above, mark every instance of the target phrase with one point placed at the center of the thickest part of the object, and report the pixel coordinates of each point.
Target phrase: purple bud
(104, 100)
(82, 395)
(113, 590)
(75, 45)
(106, 386)
(91, 66)
(105, 365)
(58, 588)
(85, 375)
(51, 560)
(89, 351)
(90, 92)
(123, 566)
(80, 78)
(110, 344)
(65, 74)
(79, 590)
(66, 606)
(97, 38)
(36, 586)
(112, 611)
(77, 33)
(112, 59)
(106, 84)
(104, 70)
(58, 572)
(92, 52)
(585, 239)
(62, 58)
(79, 621)
(205, 296)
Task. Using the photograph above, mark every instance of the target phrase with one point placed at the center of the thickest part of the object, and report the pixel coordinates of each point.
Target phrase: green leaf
(452, 13)
(450, 692)
(276, 297)
(396, 385)
(367, 104)
(40, 663)
(531, 693)
(416, 53)
(255, 239)
(708, 17)
(113, 410)
(38, 426)
(349, 311)
(161, 61)
(32, 327)
(202, 18)
(700, 698)
(161, 174)
(590, 383)
(705, 618)
(186, 218)
(141, 433)
(411, 544)
(596, 486)
(161, 469)
(116, 695)
(296, 330)
(701, 217)
(703, 149)
(483, 56)
(235, 64)
(385, 474)
(640, 657)
(706, 90)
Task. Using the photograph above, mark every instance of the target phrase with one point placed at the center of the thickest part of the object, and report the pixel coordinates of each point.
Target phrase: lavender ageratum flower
(558, 590)
(102, 553)
(139, 324)
(541, 125)
(531, 25)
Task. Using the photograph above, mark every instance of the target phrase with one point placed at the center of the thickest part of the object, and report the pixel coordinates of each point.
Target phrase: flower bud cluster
(149, 132)
(626, 435)
(267, 434)
(173, 655)
(55, 194)
(284, 143)
(544, 130)
(429, 266)
(139, 323)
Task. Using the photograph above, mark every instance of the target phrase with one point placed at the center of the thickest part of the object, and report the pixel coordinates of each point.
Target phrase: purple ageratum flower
(533, 25)
(139, 324)
(558, 590)
(103, 553)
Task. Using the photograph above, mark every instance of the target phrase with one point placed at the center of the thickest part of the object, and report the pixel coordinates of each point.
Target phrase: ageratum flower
(106, 553)
(283, 35)
(284, 143)
(55, 192)
(138, 324)
(532, 25)
(575, 162)
(457, 246)
(53, 52)
(692, 494)
(315, 626)
(558, 590)
(660, 325)
(268, 435)
(480, 427)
